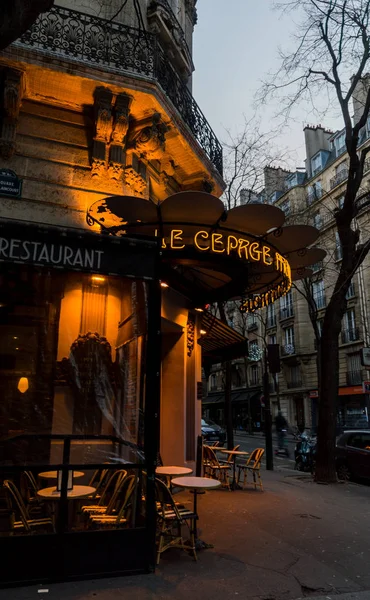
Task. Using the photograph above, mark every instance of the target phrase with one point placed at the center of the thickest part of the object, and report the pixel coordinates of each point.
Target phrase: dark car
(212, 432)
(353, 454)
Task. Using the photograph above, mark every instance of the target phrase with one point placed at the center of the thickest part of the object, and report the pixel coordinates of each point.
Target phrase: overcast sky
(235, 45)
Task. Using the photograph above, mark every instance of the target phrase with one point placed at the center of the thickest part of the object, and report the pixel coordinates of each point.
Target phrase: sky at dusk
(235, 46)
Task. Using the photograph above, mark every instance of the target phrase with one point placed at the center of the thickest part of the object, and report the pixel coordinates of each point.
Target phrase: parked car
(212, 432)
(353, 454)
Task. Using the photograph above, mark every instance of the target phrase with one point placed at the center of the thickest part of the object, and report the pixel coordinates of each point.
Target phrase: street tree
(330, 59)
(19, 15)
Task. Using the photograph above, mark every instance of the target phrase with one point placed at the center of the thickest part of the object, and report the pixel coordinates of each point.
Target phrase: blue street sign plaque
(10, 184)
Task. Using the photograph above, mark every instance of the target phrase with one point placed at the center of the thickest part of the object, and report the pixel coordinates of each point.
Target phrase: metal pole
(268, 419)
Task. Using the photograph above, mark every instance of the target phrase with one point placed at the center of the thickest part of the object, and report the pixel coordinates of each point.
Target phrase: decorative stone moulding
(212, 254)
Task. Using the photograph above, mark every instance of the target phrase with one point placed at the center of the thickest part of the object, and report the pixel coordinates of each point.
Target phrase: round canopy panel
(116, 210)
(256, 219)
(298, 274)
(191, 207)
(306, 258)
(293, 237)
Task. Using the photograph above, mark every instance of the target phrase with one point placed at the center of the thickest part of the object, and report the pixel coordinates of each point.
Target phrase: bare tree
(245, 156)
(19, 15)
(330, 59)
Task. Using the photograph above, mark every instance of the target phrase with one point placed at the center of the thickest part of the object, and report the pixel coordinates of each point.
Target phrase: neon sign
(230, 245)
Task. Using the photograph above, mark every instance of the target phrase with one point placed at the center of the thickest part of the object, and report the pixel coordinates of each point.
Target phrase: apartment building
(310, 196)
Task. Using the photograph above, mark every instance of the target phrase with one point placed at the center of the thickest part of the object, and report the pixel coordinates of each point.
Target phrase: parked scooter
(305, 453)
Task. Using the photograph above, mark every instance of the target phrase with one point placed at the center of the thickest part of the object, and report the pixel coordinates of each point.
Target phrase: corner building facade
(96, 102)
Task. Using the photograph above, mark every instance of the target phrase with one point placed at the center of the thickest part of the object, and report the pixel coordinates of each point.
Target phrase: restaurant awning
(220, 342)
(237, 396)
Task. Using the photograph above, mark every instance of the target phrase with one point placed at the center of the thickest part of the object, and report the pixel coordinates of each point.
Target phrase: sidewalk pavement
(295, 540)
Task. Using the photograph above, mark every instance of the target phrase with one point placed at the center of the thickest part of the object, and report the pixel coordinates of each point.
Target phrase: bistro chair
(118, 509)
(217, 470)
(23, 521)
(108, 492)
(230, 459)
(98, 481)
(171, 518)
(28, 491)
(252, 465)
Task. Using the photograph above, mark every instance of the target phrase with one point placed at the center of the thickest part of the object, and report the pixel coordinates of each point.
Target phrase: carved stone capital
(103, 114)
(135, 181)
(121, 118)
(150, 140)
(98, 167)
(115, 171)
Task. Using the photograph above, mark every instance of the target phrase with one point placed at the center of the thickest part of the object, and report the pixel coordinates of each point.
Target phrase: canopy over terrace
(210, 254)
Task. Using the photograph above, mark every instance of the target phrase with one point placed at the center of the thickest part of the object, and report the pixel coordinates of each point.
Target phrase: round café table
(235, 454)
(172, 471)
(78, 491)
(54, 474)
(196, 484)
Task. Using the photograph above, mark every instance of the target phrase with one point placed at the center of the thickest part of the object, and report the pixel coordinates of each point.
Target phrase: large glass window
(72, 364)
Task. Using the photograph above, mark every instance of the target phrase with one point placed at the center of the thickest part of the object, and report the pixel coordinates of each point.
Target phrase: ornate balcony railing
(76, 36)
(286, 312)
(339, 178)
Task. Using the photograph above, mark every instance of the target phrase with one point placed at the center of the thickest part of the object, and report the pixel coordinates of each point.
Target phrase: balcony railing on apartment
(90, 40)
(314, 195)
(339, 178)
(252, 326)
(350, 335)
(354, 377)
(286, 312)
(294, 383)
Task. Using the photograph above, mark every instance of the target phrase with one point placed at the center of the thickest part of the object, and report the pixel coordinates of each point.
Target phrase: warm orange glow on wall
(23, 385)
(98, 279)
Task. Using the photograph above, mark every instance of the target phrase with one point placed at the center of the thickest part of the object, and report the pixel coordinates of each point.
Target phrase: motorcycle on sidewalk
(305, 453)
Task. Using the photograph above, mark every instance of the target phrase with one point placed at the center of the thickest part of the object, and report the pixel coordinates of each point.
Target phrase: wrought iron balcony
(354, 377)
(89, 40)
(339, 178)
(350, 335)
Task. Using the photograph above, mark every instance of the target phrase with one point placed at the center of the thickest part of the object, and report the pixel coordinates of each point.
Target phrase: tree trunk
(328, 394)
(228, 407)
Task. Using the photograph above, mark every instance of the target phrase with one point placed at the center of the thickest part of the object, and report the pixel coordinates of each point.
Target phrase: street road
(250, 442)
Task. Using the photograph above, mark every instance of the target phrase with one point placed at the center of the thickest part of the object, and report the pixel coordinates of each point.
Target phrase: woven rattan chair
(171, 518)
(252, 465)
(118, 509)
(23, 522)
(107, 493)
(230, 459)
(217, 470)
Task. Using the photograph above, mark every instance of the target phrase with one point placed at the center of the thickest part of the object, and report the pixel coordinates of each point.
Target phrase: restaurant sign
(10, 184)
(54, 248)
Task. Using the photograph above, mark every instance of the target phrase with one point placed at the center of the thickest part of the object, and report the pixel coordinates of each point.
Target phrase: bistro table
(78, 491)
(172, 471)
(235, 454)
(54, 474)
(196, 484)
